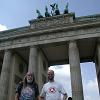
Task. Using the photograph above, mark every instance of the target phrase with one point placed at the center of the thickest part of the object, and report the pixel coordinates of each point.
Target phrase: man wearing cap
(52, 90)
(27, 89)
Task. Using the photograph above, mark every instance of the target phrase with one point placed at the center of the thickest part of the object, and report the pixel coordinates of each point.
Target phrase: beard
(29, 81)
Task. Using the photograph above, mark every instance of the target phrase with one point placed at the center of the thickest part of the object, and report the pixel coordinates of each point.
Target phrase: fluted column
(33, 60)
(76, 80)
(5, 75)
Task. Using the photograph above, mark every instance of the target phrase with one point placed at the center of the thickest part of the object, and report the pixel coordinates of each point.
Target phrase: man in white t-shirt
(52, 90)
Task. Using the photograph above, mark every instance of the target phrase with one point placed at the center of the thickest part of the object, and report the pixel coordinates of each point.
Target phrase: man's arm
(36, 92)
(37, 98)
(18, 90)
(63, 92)
(41, 98)
(16, 96)
(42, 94)
(65, 96)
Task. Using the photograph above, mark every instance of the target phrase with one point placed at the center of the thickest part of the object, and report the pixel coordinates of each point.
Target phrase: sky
(18, 13)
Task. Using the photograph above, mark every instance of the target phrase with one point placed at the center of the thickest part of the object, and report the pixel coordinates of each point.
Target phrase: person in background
(52, 90)
(27, 89)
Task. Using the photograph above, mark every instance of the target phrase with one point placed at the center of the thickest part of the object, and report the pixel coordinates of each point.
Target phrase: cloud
(61, 68)
(2, 27)
(91, 91)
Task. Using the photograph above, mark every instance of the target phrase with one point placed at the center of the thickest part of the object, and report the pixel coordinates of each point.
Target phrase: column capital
(72, 41)
(33, 46)
(7, 50)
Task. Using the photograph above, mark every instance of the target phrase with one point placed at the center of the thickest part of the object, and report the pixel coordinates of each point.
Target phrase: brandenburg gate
(61, 39)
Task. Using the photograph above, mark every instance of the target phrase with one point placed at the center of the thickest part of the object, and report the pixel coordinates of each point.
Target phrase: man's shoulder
(58, 84)
(19, 87)
(20, 83)
(46, 84)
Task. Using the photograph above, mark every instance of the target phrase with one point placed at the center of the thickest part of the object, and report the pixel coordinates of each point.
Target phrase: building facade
(61, 39)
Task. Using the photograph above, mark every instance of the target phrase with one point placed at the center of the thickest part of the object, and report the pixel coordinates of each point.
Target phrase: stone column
(76, 80)
(98, 54)
(98, 65)
(5, 73)
(33, 60)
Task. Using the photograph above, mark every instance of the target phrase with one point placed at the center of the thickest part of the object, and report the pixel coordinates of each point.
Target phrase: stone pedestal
(76, 80)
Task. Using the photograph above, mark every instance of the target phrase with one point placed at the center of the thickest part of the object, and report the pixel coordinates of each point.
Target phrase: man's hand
(16, 96)
(65, 96)
(41, 98)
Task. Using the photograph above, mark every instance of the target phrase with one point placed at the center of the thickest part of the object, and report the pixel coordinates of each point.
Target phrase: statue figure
(53, 9)
(46, 12)
(39, 14)
(66, 9)
(57, 12)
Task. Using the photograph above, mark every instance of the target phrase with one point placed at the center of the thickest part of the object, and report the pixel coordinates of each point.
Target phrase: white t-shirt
(52, 91)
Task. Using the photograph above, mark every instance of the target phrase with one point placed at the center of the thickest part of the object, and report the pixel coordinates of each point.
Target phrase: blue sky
(17, 13)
